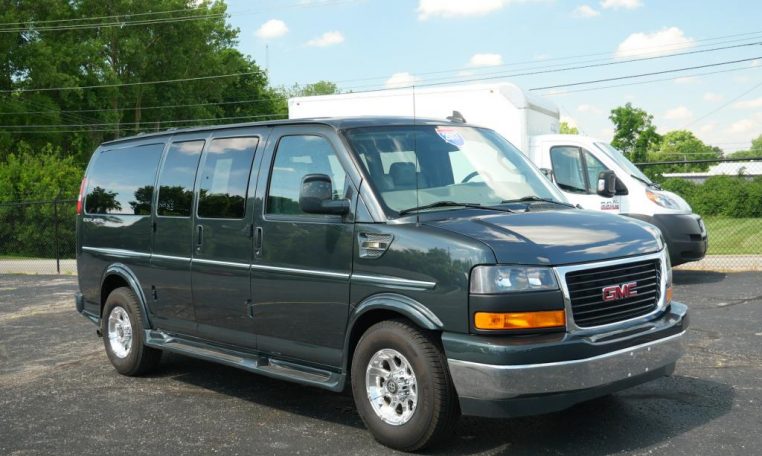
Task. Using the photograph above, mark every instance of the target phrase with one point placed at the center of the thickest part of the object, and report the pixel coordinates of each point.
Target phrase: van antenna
(456, 117)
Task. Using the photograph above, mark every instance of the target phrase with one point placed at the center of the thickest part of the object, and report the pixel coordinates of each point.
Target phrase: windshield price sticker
(450, 136)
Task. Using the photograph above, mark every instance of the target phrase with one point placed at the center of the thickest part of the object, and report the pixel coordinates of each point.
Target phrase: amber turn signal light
(668, 295)
(520, 320)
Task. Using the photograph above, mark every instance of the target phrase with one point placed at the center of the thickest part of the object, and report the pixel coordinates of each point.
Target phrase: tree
(754, 152)
(634, 132)
(566, 129)
(682, 145)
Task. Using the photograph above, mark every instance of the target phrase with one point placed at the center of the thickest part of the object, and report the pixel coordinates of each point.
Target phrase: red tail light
(81, 197)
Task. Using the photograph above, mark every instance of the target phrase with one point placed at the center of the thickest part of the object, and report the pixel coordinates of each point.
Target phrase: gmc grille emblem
(616, 292)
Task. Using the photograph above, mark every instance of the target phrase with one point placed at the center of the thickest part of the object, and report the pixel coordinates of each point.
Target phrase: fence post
(55, 234)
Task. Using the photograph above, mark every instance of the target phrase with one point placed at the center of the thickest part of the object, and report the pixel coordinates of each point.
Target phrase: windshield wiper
(450, 204)
(647, 182)
(533, 198)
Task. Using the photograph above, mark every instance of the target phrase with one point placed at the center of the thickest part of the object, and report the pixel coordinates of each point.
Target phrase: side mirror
(316, 196)
(548, 173)
(607, 183)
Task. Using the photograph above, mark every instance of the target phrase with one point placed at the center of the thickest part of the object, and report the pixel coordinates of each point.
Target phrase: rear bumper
(685, 235)
(567, 371)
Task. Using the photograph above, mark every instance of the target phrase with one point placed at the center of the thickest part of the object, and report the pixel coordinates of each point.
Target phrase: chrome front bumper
(497, 382)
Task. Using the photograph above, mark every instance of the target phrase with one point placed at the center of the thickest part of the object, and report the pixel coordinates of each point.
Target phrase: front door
(575, 171)
(302, 262)
(222, 237)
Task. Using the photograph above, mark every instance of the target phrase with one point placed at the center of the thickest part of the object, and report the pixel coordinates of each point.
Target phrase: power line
(146, 13)
(653, 73)
(147, 122)
(723, 106)
(127, 84)
(142, 108)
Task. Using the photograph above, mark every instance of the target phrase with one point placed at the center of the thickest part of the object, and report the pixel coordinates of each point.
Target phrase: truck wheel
(123, 334)
(402, 387)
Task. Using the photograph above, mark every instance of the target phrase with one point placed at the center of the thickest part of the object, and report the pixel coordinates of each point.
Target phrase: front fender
(410, 308)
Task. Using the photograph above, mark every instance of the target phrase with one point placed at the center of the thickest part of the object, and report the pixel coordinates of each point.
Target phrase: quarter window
(296, 157)
(121, 181)
(176, 179)
(225, 178)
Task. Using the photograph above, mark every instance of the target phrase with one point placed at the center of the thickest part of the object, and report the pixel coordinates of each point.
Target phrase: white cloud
(617, 4)
(585, 11)
(459, 8)
(749, 104)
(327, 39)
(687, 80)
(589, 108)
(662, 42)
(742, 126)
(708, 127)
(678, 113)
(485, 60)
(274, 28)
(713, 97)
(403, 79)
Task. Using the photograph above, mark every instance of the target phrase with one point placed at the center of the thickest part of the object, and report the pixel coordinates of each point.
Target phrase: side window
(176, 179)
(121, 181)
(295, 157)
(594, 167)
(568, 169)
(225, 178)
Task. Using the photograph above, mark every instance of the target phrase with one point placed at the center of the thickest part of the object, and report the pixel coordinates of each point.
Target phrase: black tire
(437, 407)
(139, 359)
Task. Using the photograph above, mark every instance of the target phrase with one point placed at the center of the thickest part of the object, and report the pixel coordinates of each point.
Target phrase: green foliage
(634, 132)
(681, 145)
(28, 230)
(123, 55)
(729, 196)
(566, 129)
(754, 152)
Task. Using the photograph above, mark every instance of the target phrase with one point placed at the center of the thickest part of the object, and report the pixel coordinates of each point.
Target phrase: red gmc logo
(616, 292)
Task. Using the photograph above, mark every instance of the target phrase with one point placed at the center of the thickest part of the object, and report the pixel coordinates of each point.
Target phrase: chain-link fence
(728, 195)
(38, 237)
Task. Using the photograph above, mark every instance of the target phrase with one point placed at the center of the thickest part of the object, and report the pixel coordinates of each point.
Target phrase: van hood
(556, 237)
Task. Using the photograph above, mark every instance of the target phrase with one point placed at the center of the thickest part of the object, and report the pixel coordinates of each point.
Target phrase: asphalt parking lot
(59, 394)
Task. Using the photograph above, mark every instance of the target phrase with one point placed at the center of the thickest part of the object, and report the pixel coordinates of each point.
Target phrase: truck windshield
(414, 166)
(622, 161)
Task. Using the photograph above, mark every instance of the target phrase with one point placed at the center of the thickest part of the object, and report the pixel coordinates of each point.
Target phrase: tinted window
(176, 178)
(225, 178)
(296, 157)
(121, 181)
(568, 169)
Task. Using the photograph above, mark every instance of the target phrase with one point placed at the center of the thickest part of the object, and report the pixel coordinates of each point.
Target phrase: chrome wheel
(391, 387)
(119, 332)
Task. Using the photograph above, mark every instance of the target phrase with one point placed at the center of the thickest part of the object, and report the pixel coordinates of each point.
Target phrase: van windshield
(413, 166)
(622, 161)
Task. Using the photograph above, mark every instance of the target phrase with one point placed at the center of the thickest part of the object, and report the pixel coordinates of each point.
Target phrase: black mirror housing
(316, 196)
(607, 184)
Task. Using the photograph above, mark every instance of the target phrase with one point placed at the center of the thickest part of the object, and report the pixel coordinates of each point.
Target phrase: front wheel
(402, 387)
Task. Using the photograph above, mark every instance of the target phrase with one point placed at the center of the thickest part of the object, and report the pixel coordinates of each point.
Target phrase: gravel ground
(60, 395)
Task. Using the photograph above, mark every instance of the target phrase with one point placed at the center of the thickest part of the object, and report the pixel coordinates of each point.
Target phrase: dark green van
(427, 264)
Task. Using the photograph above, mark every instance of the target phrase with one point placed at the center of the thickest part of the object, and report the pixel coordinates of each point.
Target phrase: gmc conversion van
(427, 265)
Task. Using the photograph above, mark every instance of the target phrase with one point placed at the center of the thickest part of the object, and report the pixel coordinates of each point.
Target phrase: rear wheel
(402, 387)
(124, 335)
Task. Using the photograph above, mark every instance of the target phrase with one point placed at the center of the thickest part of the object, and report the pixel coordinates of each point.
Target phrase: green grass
(734, 236)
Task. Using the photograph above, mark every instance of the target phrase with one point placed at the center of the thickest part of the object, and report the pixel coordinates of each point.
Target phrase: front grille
(586, 292)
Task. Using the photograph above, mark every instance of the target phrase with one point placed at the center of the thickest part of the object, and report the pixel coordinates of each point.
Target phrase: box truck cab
(588, 171)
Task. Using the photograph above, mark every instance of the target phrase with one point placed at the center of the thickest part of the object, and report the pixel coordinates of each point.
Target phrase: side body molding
(125, 273)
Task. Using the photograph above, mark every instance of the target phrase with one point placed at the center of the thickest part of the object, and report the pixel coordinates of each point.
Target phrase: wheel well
(364, 322)
(110, 284)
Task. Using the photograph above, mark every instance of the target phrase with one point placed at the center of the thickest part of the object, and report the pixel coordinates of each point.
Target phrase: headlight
(509, 279)
(662, 200)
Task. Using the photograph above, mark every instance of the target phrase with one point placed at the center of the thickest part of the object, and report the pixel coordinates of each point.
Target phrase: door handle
(258, 233)
(199, 235)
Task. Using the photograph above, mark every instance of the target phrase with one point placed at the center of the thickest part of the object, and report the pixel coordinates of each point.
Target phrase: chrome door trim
(229, 264)
(119, 253)
(392, 281)
(298, 271)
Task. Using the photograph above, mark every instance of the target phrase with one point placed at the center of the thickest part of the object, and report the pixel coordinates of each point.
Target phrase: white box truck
(590, 172)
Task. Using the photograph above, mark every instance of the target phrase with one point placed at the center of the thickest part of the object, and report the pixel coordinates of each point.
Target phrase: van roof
(335, 122)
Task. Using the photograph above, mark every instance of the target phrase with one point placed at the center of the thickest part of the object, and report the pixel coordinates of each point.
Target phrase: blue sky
(370, 44)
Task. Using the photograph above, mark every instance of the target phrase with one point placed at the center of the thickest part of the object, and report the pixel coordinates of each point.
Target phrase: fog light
(520, 320)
